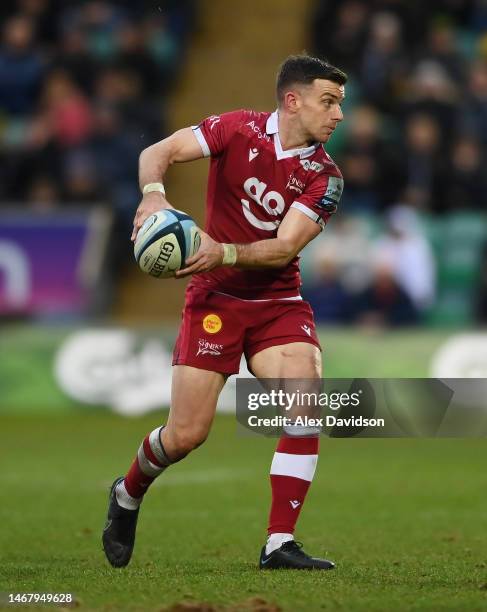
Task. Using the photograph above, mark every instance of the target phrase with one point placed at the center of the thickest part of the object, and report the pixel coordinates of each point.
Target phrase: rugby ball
(165, 241)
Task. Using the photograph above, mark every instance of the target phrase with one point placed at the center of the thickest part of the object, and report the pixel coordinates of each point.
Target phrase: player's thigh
(292, 360)
(193, 403)
(297, 368)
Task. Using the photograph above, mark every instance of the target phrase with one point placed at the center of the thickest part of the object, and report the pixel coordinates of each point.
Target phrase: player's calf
(126, 495)
(150, 462)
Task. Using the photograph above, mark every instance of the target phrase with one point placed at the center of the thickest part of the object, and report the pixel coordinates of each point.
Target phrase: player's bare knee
(303, 365)
(183, 441)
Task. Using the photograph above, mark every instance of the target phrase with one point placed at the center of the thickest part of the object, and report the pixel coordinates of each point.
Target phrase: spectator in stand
(115, 153)
(431, 91)
(384, 303)
(99, 21)
(122, 89)
(442, 49)
(43, 194)
(473, 119)
(346, 243)
(372, 163)
(328, 296)
(67, 110)
(74, 58)
(384, 68)
(423, 162)
(406, 253)
(465, 185)
(164, 47)
(44, 14)
(21, 68)
(132, 56)
(80, 178)
(340, 31)
(361, 171)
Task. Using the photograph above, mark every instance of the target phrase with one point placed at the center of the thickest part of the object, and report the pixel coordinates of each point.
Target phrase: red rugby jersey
(252, 183)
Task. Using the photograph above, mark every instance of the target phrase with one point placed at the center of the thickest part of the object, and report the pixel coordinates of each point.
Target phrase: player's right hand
(151, 203)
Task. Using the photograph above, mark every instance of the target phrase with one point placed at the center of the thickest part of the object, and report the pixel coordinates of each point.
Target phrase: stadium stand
(85, 86)
(83, 89)
(416, 127)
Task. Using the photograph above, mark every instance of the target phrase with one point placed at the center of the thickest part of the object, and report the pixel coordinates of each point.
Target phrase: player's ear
(291, 100)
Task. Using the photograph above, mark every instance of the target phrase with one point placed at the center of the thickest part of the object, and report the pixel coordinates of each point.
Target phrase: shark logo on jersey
(253, 154)
(331, 198)
(295, 184)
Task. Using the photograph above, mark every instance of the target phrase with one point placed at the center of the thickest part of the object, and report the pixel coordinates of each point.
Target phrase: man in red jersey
(271, 189)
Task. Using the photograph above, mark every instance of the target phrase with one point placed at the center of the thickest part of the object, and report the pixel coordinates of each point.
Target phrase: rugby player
(271, 189)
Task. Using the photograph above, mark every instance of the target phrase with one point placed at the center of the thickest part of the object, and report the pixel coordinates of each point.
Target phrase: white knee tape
(301, 430)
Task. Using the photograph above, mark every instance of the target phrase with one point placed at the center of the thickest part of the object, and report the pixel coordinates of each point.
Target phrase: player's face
(319, 109)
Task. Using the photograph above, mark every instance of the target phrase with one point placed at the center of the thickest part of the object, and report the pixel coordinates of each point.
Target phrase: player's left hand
(208, 256)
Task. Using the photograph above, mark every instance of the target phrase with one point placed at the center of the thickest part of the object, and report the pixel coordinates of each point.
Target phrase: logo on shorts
(306, 329)
(212, 323)
(208, 348)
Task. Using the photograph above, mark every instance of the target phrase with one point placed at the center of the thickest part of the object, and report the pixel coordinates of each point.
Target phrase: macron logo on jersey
(253, 154)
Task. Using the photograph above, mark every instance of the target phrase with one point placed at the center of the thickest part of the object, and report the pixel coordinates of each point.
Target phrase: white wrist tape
(229, 254)
(154, 187)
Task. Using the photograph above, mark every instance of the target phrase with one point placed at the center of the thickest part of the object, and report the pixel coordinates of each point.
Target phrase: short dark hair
(304, 69)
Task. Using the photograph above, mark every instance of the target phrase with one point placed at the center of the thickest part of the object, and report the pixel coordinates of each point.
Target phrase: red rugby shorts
(216, 329)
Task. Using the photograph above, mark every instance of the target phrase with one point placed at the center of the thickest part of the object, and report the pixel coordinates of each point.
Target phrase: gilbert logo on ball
(165, 241)
(212, 323)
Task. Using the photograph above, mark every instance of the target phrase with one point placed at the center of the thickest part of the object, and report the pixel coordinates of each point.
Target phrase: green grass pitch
(405, 521)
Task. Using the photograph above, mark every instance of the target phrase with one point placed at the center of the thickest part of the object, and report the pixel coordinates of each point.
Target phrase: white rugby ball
(165, 241)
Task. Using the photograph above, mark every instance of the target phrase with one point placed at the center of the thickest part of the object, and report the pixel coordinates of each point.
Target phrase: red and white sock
(150, 462)
(292, 471)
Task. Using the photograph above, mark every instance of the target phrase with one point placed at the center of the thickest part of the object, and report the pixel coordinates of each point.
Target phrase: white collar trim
(272, 128)
(272, 125)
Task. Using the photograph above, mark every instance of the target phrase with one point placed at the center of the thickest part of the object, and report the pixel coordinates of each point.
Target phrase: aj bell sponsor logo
(208, 348)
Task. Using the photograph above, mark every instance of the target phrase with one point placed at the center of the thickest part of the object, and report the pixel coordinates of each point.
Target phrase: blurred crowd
(83, 87)
(382, 280)
(417, 130)
(415, 139)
